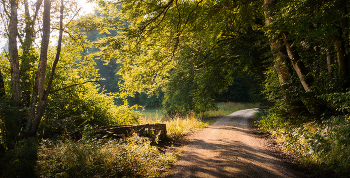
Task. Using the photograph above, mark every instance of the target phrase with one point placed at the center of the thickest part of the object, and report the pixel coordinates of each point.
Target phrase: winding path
(228, 148)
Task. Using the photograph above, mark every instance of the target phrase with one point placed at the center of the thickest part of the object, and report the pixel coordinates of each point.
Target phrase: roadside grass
(132, 157)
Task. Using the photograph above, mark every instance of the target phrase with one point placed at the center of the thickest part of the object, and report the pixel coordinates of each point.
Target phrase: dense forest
(66, 72)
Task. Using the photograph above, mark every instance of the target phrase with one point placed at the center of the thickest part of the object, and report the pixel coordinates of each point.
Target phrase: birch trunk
(13, 50)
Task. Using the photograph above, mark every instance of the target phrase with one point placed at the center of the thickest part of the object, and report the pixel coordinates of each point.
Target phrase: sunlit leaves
(162, 39)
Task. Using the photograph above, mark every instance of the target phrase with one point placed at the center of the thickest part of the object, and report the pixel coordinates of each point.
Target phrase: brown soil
(233, 147)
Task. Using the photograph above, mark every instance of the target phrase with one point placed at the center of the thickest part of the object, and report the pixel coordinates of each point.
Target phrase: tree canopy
(188, 50)
(191, 49)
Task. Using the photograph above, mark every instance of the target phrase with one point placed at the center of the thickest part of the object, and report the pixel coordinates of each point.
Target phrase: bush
(69, 111)
(76, 98)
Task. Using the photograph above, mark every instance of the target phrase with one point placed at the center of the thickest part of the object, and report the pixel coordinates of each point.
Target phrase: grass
(88, 157)
(228, 108)
(180, 125)
(133, 157)
(155, 114)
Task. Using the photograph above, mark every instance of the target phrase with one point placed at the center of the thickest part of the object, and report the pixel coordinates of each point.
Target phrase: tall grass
(134, 157)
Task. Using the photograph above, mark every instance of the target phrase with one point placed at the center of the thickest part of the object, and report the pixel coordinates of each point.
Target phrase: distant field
(157, 114)
(228, 108)
(179, 125)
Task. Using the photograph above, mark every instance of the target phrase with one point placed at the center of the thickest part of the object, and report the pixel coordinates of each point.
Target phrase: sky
(86, 8)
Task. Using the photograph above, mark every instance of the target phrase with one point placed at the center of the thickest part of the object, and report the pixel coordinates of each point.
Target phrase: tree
(23, 61)
(162, 40)
(310, 31)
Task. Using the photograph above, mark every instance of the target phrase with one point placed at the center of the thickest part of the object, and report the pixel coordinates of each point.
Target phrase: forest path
(229, 148)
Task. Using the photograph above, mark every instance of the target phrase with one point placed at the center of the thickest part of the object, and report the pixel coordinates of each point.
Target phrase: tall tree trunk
(341, 42)
(28, 58)
(43, 99)
(39, 85)
(298, 65)
(342, 61)
(281, 62)
(294, 105)
(13, 50)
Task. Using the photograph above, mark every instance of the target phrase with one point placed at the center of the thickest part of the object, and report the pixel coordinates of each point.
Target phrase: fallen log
(120, 131)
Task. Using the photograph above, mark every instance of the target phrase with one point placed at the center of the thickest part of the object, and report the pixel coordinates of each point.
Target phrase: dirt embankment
(231, 147)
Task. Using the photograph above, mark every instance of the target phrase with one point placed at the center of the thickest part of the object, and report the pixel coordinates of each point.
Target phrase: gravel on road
(230, 148)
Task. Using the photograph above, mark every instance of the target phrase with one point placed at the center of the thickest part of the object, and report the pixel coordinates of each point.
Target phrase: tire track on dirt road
(228, 148)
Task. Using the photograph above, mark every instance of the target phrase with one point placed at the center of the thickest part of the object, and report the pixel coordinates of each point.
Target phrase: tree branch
(70, 86)
(58, 52)
(155, 18)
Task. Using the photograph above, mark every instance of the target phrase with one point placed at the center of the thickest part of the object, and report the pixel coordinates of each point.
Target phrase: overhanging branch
(70, 86)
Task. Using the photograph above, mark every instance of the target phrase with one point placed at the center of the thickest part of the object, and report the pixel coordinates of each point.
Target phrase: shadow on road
(229, 148)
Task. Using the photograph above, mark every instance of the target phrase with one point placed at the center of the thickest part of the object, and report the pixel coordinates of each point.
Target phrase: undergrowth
(133, 157)
(130, 157)
(323, 145)
(91, 157)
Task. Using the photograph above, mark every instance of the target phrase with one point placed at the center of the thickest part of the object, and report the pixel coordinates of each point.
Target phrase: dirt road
(228, 148)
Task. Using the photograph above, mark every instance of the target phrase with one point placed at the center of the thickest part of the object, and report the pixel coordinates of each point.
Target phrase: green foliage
(185, 49)
(147, 101)
(338, 101)
(320, 144)
(77, 99)
(134, 157)
(239, 91)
